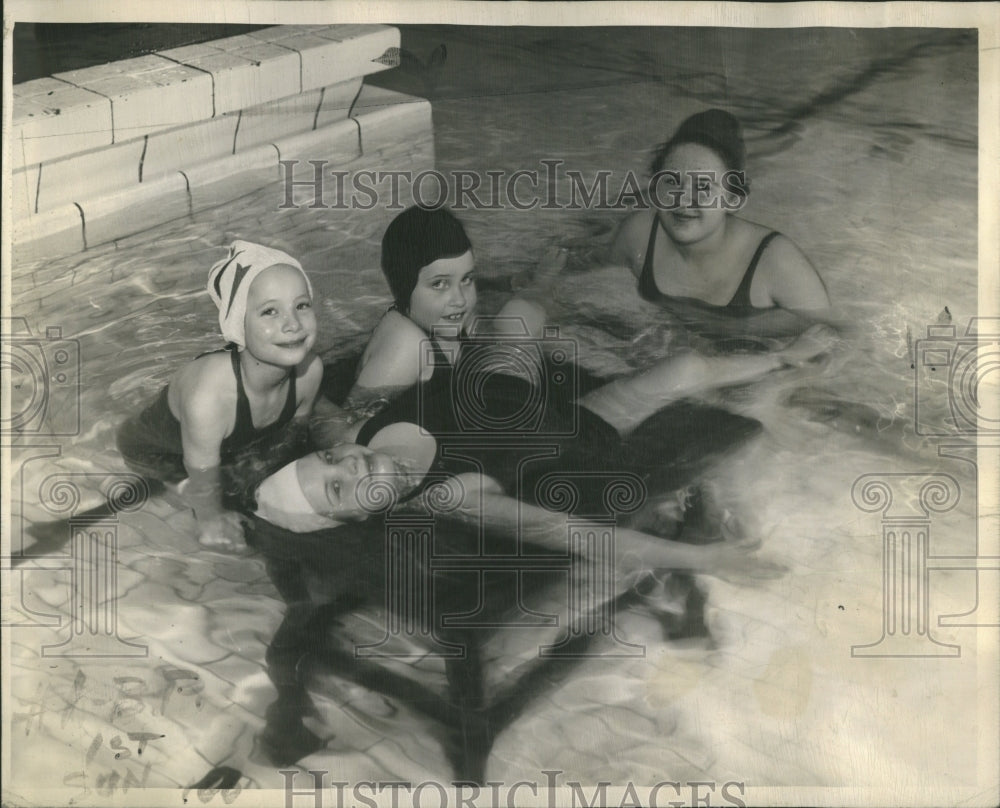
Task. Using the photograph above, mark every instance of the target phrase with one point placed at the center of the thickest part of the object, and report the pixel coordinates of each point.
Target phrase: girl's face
(693, 181)
(445, 294)
(335, 482)
(280, 326)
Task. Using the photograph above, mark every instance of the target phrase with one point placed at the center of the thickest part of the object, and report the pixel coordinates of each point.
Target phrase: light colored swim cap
(230, 279)
(281, 501)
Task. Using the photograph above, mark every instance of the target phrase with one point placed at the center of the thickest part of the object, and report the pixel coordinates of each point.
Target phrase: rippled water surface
(862, 148)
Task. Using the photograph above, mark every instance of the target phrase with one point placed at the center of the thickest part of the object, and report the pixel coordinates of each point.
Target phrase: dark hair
(717, 130)
(415, 238)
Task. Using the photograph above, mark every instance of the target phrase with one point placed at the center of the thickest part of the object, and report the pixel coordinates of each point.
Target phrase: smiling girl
(428, 262)
(224, 406)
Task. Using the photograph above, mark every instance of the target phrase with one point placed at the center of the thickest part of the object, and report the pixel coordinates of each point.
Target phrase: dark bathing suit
(666, 451)
(151, 445)
(740, 303)
(321, 585)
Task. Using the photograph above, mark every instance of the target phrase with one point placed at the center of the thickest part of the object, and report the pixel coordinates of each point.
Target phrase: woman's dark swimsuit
(151, 444)
(739, 305)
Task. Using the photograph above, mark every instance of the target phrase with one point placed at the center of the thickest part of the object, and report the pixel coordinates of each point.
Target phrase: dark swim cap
(414, 239)
(717, 130)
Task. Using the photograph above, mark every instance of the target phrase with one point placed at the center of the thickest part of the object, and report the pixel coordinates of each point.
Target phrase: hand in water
(737, 563)
(552, 264)
(814, 342)
(223, 532)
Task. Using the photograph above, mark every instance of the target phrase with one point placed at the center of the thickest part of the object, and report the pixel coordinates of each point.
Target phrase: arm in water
(330, 425)
(206, 405)
(217, 526)
(482, 502)
(626, 403)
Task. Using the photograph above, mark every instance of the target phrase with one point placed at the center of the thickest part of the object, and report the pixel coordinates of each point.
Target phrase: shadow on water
(465, 708)
(470, 702)
(462, 710)
(42, 49)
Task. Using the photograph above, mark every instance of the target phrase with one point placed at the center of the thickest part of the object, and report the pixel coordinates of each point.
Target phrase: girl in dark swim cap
(428, 262)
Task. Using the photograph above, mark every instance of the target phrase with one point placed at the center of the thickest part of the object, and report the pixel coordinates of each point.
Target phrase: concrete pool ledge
(97, 106)
(103, 153)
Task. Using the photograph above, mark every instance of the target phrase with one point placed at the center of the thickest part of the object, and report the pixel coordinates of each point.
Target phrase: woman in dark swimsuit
(692, 248)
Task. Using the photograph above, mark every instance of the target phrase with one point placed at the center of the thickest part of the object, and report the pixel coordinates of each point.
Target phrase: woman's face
(690, 193)
(445, 295)
(338, 482)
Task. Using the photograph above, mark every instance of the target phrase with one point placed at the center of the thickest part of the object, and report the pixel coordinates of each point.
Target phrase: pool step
(113, 186)
(79, 110)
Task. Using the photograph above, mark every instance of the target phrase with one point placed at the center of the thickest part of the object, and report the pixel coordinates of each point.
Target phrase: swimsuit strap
(291, 403)
(244, 430)
(647, 283)
(440, 357)
(741, 298)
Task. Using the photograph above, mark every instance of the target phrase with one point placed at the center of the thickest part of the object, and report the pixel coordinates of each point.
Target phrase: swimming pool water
(862, 148)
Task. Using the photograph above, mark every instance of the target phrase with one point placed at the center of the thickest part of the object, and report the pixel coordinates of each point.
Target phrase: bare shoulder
(392, 356)
(791, 279)
(308, 376)
(393, 331)
(204, 385)
(783, 258)
(629, 246)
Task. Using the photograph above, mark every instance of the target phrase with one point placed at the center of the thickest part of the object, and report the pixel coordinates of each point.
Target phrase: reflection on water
(862, 149)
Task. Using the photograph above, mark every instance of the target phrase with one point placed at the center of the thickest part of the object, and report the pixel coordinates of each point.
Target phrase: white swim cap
(229, 283)
(281, 501)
